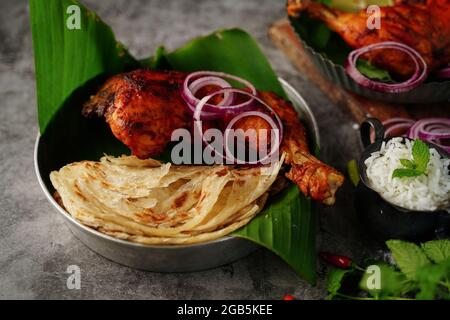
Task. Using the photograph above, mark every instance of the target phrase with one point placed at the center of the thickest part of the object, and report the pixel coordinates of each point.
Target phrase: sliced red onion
(397, 120)
(419, 76)
(433, 130)
(426, 128)
(437, 128)
(205, 78)
(397, 126)
(413, 132)
(276, 125)
(200, 83)
(441, 134)
(398, 129)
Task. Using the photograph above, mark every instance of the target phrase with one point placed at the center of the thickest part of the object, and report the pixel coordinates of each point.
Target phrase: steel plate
(175, 258)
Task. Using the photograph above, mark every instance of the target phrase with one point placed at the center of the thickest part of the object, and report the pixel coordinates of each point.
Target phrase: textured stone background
(35, 245)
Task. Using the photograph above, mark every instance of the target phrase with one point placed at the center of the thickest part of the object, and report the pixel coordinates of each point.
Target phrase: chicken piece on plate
(144, 107)
(313, 177)
(422, 25)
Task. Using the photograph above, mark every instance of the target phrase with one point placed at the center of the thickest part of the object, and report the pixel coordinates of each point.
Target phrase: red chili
(288, 297)
(341, 262)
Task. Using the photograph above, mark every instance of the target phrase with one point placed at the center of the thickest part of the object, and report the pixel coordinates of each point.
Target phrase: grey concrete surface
(35, 245)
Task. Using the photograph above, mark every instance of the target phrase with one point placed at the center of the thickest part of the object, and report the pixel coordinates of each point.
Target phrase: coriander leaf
(400, 173)
(334, 282)
(408, 257)
(421, 155)
(392, 282)
(408, 164)
(372, 72)
(437, 250)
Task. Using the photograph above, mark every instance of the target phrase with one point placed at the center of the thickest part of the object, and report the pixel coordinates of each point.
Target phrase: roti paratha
(150, 202)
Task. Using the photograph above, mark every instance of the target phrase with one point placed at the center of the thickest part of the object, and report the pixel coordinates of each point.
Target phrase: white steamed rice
(426, 192)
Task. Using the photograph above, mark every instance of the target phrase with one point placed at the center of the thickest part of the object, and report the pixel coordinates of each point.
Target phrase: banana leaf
(286, 226)
(71, 64)
(232, 51)
(67, 58)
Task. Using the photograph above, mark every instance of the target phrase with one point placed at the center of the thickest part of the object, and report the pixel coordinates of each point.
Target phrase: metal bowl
(164, 258)
(383, 219)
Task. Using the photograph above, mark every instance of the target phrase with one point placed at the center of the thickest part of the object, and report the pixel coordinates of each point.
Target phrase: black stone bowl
(387, 221)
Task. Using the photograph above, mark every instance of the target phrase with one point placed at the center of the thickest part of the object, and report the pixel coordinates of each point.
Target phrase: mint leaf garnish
(393, 282)
(429, 277)
(437, 250)
(408, 163)
(408, 257)
(416, 167)
(400, 173)
(421, 155)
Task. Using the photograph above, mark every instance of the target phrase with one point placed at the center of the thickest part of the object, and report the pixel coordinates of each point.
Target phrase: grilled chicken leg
(144, 107)
(313, 177)
(423, 25)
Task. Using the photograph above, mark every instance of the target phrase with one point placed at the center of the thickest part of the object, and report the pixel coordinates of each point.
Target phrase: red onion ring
(272, 124)
(397, 120)
(276, 125)
(419, 76)
(427, 128)
(442, 134)
(433, 130)
(205, 78)
(399, 129)
(196, 85)
(395, 125)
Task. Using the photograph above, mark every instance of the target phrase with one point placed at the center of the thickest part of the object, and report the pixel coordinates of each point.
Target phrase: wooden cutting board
(285, 38)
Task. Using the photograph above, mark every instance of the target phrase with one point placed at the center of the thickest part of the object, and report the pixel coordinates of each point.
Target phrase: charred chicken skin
(422, 25)
(144, 107)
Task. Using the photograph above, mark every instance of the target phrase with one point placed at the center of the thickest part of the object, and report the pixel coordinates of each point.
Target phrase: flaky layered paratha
(150, 202)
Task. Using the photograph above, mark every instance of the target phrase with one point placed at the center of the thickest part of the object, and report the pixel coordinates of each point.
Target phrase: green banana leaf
(286, 226)
(65, 59)
(232, 51)
(71, 64)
